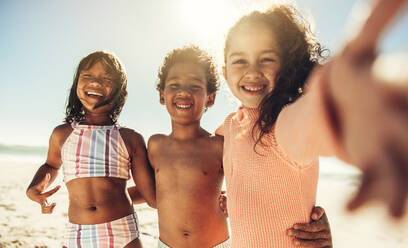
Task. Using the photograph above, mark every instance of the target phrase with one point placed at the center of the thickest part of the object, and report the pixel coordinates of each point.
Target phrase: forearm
(42, 172)
(304, 129)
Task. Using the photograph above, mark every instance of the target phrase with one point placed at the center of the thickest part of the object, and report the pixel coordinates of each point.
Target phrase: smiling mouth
(183, 106)
(93, 93)
(253, 89)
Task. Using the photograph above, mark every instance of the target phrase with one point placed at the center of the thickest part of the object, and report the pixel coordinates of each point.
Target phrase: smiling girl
(98, 157)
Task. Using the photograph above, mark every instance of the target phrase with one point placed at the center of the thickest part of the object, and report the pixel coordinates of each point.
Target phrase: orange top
(275, 187)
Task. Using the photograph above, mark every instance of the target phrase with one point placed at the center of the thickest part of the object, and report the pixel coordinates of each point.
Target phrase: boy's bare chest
(192, 157)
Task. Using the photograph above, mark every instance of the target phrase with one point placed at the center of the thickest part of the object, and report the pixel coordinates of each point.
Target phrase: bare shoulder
(155, 141)
(61, 133)
(217, 143)
(131, 137)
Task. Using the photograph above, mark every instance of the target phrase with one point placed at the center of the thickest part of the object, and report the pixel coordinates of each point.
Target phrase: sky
(42, 42)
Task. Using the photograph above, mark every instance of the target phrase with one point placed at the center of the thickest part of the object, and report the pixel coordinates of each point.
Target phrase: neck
(97, 119)
(186, 131)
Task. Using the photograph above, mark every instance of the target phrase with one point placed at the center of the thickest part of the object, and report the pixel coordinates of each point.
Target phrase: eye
(196, 87)
(267, 59)
(86, 76)
(239, 61)
(172, 86)
(107, 81)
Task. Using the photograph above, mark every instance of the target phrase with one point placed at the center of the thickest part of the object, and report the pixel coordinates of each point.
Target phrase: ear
(161, 95)
(210, 100)
(224, 72)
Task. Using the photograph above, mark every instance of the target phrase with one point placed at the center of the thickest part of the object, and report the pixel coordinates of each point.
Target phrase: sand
(23, 225)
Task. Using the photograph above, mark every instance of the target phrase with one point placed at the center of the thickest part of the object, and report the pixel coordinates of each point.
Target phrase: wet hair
(190, 54)
(299, 52)
(74, 110)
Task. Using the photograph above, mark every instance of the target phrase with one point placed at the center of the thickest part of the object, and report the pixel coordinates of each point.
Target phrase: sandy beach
(22, 224)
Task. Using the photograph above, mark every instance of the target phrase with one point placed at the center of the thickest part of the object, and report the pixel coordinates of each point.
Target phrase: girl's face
(252, 62)
(95, 87)
(185, 93)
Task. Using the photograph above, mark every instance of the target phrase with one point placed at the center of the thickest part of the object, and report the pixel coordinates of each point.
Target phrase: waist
(97, 200)
(191, 224)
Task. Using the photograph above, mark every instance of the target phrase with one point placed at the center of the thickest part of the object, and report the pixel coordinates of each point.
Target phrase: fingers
(320, 243)
(317, 213)
(363, 194)
(299, 234)
(314, 226)
(52, 191)
(47, 208)
(223, 204)
(381, 15)
(400, 169)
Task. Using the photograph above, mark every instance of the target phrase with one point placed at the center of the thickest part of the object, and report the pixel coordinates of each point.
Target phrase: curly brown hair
(190, 54)
(74, 111)
(300, 52)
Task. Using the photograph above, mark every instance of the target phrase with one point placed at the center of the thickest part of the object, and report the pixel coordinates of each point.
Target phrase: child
(272, 143)
(97, 157)
(188, 162)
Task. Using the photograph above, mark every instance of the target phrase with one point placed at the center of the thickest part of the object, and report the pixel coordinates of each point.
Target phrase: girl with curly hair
(97, 157)
(289, 117)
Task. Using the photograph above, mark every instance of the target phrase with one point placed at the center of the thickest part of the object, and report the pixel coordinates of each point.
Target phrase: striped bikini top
(95, 151)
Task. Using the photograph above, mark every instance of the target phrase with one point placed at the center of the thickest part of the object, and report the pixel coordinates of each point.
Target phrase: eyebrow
(191, 76)
(262, 52)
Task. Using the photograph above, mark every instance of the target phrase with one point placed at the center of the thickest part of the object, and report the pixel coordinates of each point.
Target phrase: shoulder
(131, 134)
(132, 139)
(220, 131)
(61, 133)
(155, 140)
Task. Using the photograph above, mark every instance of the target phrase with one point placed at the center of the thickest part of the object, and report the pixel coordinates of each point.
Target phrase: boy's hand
(223, 203)
(37, 194)
(314, 234)
(372, 115)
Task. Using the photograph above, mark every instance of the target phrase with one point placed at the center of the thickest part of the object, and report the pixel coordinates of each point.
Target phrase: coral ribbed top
(268, 191)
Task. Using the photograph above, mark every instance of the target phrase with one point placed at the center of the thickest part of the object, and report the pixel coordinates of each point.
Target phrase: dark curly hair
(300, 52)
(190, 54)
(74, 111)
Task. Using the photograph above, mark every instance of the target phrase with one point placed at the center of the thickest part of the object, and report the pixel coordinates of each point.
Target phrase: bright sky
(43, 41)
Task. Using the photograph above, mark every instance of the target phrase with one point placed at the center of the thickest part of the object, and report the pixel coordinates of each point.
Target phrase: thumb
(317, 213)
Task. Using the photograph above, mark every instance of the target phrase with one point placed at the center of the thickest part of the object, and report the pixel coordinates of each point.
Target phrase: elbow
(152, 203)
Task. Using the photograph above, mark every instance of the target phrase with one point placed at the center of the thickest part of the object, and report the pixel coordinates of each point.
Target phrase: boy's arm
(135, 195)
(47, 172)
(142, 172)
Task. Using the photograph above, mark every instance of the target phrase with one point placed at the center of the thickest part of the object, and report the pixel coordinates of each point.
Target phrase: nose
(253, 72)
(96, 82)
(184, 90)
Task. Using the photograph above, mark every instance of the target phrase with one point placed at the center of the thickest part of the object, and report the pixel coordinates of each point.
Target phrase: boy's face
(185, 93)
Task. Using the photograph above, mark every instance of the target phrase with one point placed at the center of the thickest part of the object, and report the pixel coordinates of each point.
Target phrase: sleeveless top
(95, 151)
(267, 191)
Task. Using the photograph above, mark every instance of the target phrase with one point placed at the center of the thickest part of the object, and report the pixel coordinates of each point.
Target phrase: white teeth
(249, 88)
(94, 93)
(183, 106)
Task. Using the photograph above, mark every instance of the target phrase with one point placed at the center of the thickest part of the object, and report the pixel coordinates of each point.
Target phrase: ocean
(331, 168)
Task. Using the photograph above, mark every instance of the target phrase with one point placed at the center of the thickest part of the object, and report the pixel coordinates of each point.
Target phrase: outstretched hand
(314, 234)
(371, 115)
(37, 194)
